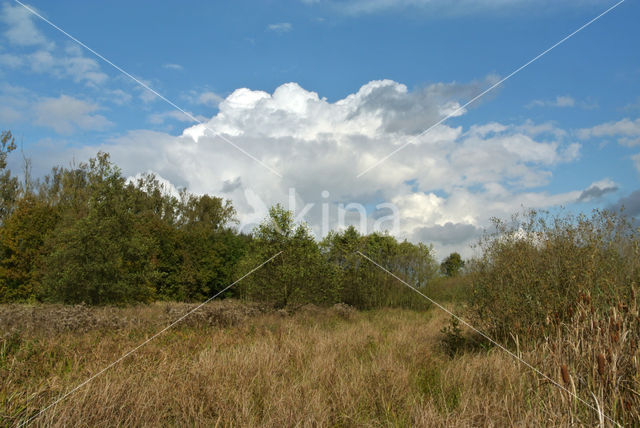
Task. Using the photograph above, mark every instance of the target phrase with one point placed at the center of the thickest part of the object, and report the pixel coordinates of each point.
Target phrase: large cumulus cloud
(447, 182)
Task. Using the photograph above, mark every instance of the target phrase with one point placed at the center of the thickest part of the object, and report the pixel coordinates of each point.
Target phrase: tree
(364, 285)
(299, 275)
(9, 186)
(99, 255)
(207, 247)
(22, 239)
(452, 265)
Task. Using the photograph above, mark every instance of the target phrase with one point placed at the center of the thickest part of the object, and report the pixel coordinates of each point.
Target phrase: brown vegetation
(240, 365)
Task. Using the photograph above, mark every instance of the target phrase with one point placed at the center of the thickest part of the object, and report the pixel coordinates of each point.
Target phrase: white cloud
(565, 101)
(598, 189)
(171, 66)
(281, 27)
(451, 175)
(159, 118)
(45, 57)
(69, 64)
(441, 7)
(64, 114)
(15, 102)
(21, 30)
(118, 96)
(626, 130)
(636, 161)
(11, 60)
(210, 99)
(560, 101)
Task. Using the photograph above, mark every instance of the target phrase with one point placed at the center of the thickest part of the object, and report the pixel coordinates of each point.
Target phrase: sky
(301, 102)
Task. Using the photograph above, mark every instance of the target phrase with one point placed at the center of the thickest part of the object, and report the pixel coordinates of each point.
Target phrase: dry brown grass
(602, 360)
(237, 365)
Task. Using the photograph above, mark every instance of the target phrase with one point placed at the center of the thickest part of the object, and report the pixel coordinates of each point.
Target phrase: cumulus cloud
(281, 27)
(64, 114)
(448, 233)
(451, 179)
(597, 190)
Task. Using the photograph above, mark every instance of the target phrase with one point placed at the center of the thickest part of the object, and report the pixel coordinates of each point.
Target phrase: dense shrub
(563, 291)
(534, 270)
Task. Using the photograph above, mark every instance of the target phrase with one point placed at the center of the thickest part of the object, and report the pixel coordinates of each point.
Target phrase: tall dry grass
(315, 367)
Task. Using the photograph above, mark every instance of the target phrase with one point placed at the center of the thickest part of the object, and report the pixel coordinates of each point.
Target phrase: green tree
(22, 238)
(452, 265)
(365, 285)
(98, 254)
(207, 247)
(299, 275)
(9, 186)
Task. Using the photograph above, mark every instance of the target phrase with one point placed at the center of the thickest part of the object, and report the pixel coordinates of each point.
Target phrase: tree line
(86, 234)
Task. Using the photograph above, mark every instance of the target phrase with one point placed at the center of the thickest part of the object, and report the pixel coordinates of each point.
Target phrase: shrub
(534, 270)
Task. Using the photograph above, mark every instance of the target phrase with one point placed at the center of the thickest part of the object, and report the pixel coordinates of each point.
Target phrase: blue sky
(563, 131)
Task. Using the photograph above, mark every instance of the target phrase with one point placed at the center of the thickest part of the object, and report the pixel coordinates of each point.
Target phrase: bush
(533, 272)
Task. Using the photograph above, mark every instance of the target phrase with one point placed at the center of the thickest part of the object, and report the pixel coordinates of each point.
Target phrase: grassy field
(232, 364)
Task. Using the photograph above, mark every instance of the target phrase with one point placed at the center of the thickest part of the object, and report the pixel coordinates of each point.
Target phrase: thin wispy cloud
(442, 8)
(170, 66)
(559, 101)
(281, 27)
(564, 101)
(626, 131)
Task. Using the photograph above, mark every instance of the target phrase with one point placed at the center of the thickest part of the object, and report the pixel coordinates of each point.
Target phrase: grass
(239, 365)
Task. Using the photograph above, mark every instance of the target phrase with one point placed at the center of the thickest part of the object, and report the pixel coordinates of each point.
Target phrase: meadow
(317, 333)
(238, 364)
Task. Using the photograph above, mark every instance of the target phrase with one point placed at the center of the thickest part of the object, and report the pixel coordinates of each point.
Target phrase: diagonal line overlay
(148, 88)
(126, 354)
(481, 333)
(491, 88)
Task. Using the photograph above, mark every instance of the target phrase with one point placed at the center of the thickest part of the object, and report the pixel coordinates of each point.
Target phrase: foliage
(533, 272)
(299, 275)
(100, 257)
(22, 239)
(9, 186)
(452, 265)
(364, 285)
(87, 234)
